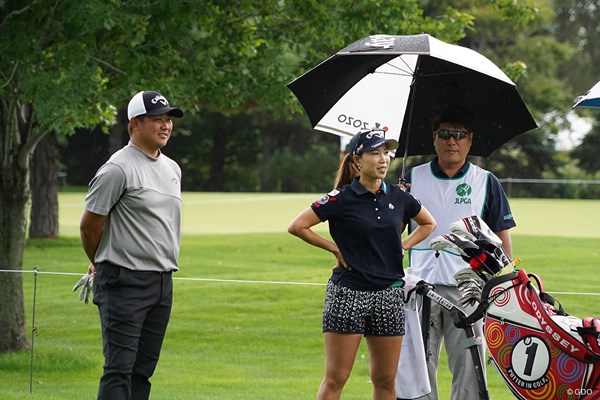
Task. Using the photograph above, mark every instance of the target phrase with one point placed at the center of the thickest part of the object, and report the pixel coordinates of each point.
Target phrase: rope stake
(33, 328)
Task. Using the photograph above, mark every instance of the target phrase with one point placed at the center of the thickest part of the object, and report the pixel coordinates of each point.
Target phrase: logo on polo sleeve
(325, 199)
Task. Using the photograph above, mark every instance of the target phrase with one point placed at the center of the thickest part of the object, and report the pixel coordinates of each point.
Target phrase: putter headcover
(465, 247)
(473, 253)
(473, 228)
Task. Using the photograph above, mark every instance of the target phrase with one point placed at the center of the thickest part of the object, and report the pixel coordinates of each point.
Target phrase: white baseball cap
(150, 102)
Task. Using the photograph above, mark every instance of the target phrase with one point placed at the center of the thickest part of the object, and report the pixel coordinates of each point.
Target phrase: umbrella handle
(413, 89)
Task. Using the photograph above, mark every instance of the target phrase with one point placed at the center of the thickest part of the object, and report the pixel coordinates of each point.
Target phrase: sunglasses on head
(451, 133)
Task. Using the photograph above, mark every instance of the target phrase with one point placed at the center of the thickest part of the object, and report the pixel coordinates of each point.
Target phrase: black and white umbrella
(394, 82)
(591, 99)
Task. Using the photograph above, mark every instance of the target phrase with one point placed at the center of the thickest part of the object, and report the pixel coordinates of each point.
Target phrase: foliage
(311, 172)
(232, 58)
(528, 50)
(587, 151)
(304, 35)
(578, 22)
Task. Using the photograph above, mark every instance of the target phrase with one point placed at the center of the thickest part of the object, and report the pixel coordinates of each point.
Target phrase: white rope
(37, 271)
(576, 293)
(249, 281)
(182, 279)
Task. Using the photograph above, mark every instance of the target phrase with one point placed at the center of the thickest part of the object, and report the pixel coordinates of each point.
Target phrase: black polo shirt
(367, 228)
(496, 210)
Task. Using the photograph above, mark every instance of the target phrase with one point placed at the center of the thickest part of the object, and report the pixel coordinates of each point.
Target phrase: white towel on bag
(411, 380)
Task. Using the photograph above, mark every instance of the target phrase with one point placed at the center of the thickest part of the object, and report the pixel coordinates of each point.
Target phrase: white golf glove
(86, 283)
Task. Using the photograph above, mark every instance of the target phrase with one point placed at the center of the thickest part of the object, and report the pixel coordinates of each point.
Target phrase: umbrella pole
(413, 90)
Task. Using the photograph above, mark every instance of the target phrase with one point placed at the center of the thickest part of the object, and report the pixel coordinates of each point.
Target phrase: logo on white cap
(161, 98)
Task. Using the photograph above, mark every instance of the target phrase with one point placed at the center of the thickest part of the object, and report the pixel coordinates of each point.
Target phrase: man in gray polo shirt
(130, 231)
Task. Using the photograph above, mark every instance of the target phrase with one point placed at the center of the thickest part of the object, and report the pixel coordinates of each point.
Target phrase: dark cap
(149, 102)
(370, 140)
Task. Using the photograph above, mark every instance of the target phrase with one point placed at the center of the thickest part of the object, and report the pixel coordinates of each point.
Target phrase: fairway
(248, 300)
(215, 213)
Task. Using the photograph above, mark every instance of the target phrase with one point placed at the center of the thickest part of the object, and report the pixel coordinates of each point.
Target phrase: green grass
(255, 340)
(213, 213)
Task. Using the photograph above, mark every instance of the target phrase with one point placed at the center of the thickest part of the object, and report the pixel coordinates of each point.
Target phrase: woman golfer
(364, 294)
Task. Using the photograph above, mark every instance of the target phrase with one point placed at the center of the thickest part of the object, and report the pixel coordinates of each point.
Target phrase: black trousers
(134, 307)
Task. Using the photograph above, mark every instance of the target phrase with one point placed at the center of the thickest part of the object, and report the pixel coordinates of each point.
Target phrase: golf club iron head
(469, 274)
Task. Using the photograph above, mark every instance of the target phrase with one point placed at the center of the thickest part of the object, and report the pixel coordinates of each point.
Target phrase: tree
(520, 40)
(31, 106)
(579, 23)
(44, 183)
(586, 153)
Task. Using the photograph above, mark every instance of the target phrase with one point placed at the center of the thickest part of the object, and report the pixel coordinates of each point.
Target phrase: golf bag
(540, 351)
